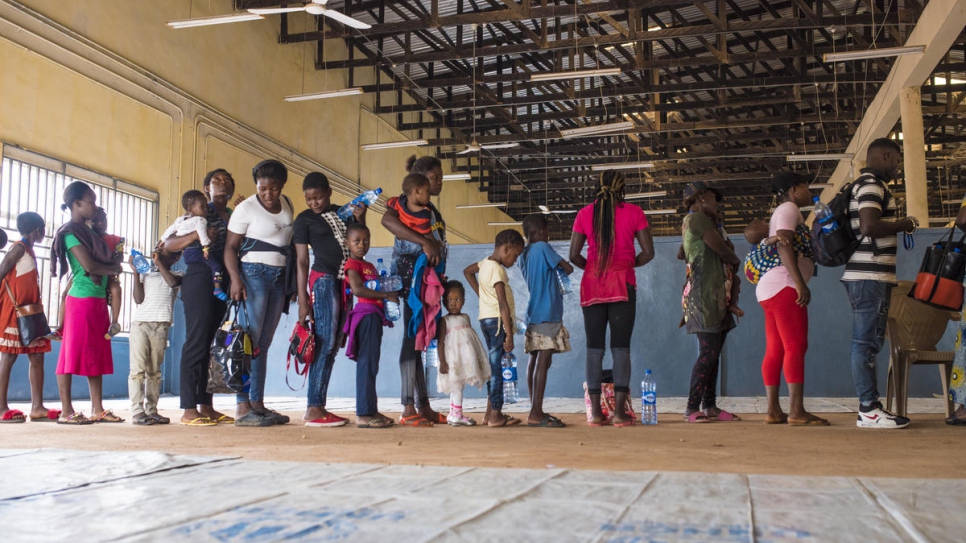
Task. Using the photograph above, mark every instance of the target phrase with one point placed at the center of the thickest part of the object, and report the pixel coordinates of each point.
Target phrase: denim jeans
(265, 286)
(369, 349)
(870, 310)
(494, 335)
(326, 305)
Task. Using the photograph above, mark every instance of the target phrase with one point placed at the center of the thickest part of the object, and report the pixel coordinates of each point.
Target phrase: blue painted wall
(658, 342)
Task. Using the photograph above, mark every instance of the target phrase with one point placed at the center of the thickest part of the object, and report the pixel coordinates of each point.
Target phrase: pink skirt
(84, 350)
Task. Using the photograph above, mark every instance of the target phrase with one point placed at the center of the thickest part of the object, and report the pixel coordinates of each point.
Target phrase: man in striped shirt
(870, 274)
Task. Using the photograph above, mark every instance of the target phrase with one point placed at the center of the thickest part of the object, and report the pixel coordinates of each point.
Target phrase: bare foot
(776, 418)
(428, 414)
(208, 411)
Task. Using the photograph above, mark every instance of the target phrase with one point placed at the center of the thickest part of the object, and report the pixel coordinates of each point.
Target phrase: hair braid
(610, 193)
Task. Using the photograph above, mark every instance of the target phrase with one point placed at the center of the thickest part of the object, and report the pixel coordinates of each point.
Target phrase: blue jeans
(870, 309)
(326, 305)
(265, 286)
(494, 335)
(369, 348)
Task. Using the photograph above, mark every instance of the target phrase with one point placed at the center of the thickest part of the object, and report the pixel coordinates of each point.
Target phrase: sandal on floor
(143, 419)
(782, 420)
(724, 416)
(107, 416)
(416, 421)
(199, 421)
(625, 424)
(52, 416)
(697, 417)
(224, 419)
(75, 419)
(810, 420)
(13, 416)
(548, 421)
(377, 423)
(158, 419)
(953, 420)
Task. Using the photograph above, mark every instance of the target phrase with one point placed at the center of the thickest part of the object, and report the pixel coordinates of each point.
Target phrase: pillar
(914, 154)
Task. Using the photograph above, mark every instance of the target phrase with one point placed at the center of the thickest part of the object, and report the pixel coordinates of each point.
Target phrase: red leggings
(786, 338)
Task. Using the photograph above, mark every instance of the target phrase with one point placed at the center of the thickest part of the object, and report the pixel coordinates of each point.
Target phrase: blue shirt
(539, 262)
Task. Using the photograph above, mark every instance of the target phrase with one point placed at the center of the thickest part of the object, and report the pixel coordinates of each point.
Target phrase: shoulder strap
(10, 293)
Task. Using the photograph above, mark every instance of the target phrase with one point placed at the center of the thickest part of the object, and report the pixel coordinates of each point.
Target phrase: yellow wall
(108, 86)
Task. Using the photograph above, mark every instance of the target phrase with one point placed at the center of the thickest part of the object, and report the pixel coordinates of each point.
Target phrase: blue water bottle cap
(647, 372)
(815, 199)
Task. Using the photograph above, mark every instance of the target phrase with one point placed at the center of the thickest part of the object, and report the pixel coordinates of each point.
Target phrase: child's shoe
(220, 294)
(459, 419)
(114, 330)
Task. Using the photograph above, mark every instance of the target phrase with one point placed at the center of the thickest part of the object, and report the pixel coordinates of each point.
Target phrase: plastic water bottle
(509, 378)
(373, 284)
(431, 356)
(369, 197)
(823, 214)
(392, 310)
(563, 281)
(648, 399)
(141, 262)
(393, 283)
(519, 326)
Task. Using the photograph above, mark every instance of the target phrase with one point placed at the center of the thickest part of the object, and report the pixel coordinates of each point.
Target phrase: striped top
(158, 299)
(874, 260)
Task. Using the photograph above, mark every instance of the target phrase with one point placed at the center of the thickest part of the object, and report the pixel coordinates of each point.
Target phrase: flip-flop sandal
(158, 419)
(13, 416)
(107, 416)
(52, 416)
(142, 419)
(697, 417)
(625, 424)
(378, 423)
(548, 421)
(724, 416)
(782, 420)
(512, 421)
(199, 421)
(812, 420)
(75, 419)
(953, 420)
(416, 421)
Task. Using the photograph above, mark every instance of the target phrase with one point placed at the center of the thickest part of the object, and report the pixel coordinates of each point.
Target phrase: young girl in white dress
(462, 358)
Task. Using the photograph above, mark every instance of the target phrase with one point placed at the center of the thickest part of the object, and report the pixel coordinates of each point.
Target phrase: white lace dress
(465, 355)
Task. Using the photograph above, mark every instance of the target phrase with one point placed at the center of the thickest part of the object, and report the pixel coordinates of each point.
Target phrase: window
(33, 182)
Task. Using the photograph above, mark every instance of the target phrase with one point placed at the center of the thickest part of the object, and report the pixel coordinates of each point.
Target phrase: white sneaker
(877, 417)
(461, 420)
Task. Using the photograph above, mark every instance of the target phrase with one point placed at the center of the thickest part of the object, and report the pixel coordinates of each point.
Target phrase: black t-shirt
(315, 230)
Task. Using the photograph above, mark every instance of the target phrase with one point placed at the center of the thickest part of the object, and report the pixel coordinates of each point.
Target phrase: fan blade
(346, 20)
(272, 11)
(466, 151)
(499, 145)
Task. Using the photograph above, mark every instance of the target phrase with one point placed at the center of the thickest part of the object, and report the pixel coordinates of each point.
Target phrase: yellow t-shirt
(491, 273)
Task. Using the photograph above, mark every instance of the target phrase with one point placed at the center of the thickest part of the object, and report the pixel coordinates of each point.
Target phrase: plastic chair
(913, 329)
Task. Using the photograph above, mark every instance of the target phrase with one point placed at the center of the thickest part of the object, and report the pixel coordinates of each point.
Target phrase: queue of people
(259, 253)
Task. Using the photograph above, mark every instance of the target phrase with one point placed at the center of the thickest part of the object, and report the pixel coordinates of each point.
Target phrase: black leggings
(202, 316)
(619, 317)
(412, 377)
(704, 375)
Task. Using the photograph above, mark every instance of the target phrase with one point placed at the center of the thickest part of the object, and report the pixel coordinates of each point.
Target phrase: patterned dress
(957, 384)
(24, 283)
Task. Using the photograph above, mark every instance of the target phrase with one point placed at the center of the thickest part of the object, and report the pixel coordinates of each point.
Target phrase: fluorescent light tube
(216, 20)
(642, 195)
(499, 145)
(594, 130)
(660, 211)
(544, 209)
(621, 166)
(394, 145)
(827, 156)
(457, 177)
(873, 53)
(478, 206)
(323, 94)
(952, 202)
(554, 76)
(942, 220)
(820, 185)
(504, 223)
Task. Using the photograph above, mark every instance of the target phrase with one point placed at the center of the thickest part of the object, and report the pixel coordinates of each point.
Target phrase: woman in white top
(259, 235)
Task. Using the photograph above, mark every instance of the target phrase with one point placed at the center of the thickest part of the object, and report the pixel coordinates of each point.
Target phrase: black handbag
(31, 319)
(229, 370)
(939, 282)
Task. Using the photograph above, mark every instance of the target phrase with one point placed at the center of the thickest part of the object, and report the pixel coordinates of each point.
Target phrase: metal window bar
(29, 187)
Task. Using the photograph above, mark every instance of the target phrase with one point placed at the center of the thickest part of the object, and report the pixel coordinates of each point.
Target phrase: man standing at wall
(870, 274)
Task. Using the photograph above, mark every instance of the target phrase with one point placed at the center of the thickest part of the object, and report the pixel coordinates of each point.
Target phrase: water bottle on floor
(563, 281)
(369, 197)
(509, 378)
(648, 399)
(141, 262)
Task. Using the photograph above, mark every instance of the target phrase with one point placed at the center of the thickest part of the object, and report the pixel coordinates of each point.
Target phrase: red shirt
(420, 221)
(368, 273)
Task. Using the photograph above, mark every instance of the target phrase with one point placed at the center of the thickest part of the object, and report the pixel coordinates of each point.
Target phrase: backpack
(835, 248)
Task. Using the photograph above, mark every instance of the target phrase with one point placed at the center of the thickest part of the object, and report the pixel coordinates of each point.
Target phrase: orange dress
(24, 283)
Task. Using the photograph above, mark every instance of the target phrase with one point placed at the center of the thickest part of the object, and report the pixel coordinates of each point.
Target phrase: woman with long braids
(418, 233)
(609, 226)
(705, 298)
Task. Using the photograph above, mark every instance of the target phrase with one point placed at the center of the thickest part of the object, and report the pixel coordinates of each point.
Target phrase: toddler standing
(462, 358)
(154, 294)
(546, 333)
(116, 243)
(195, 222)
(496, 316)
(363, 327)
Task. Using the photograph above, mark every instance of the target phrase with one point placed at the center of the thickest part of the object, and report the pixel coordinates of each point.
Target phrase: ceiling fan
(475, 147)
(315, 7)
